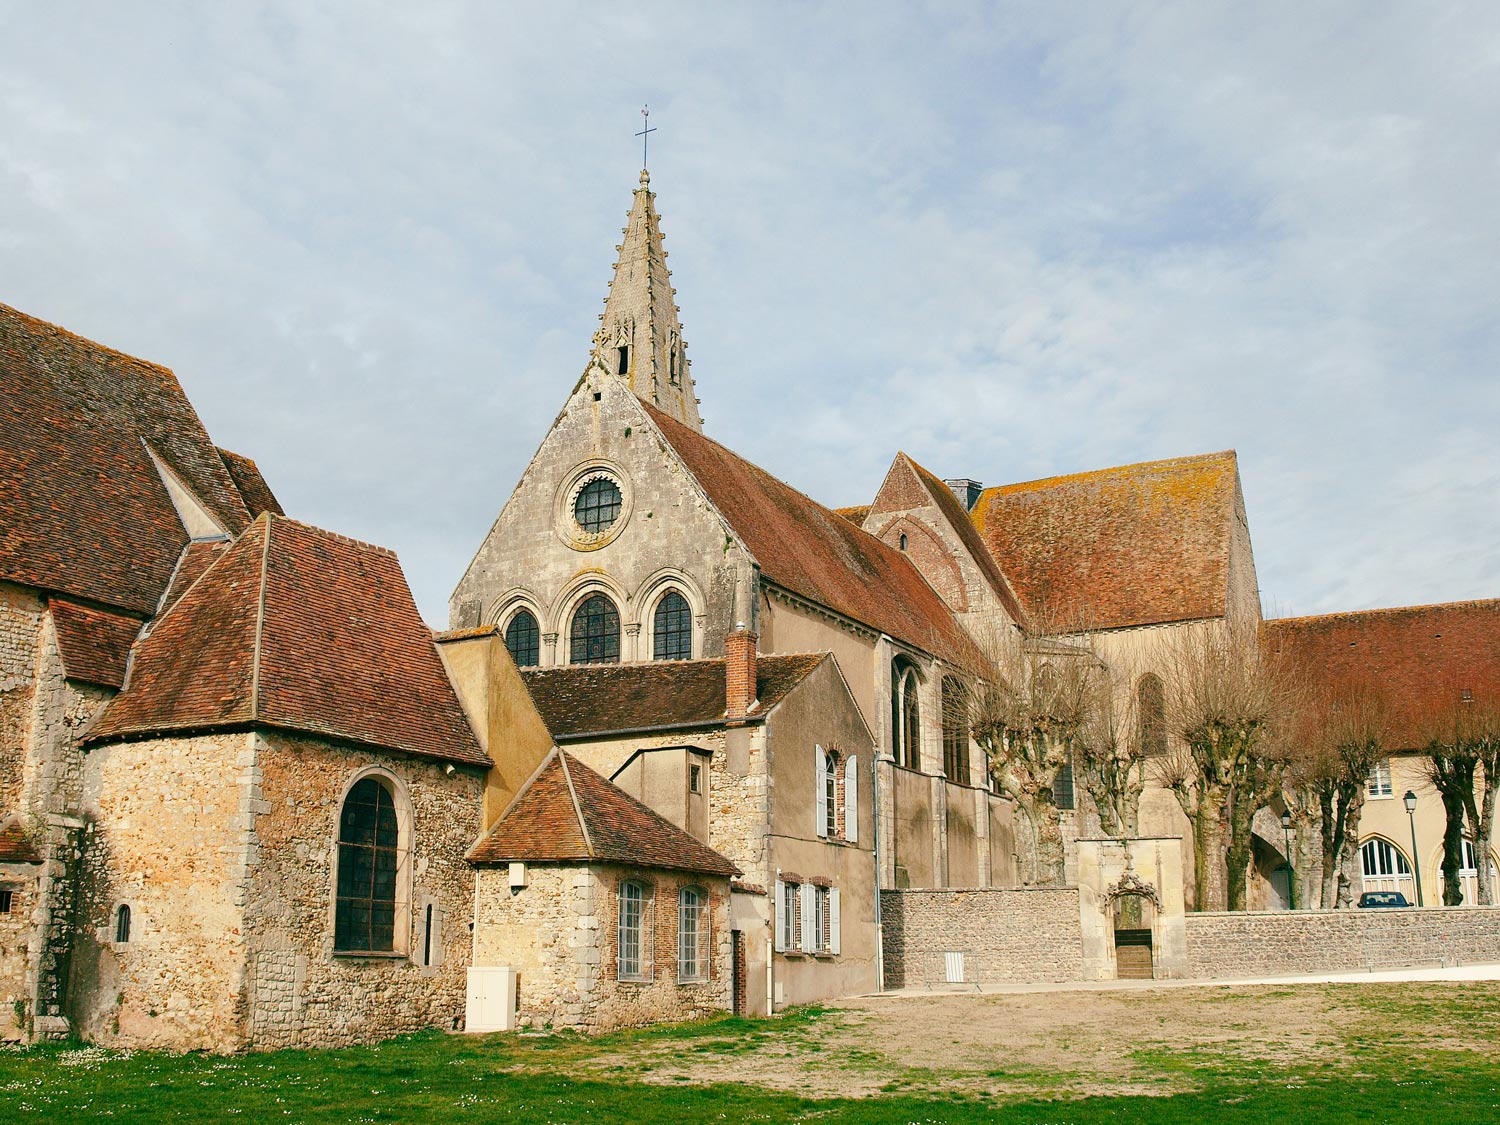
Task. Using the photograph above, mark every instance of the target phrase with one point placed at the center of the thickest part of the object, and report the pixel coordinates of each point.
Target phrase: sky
(1013, 241)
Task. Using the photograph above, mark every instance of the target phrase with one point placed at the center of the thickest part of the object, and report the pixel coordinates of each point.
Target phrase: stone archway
(1131, 909)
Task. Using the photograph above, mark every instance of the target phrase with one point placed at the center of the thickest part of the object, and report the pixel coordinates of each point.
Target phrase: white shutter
(851, 799)
(833, 920)
(805, 894)
(820, 786)
(779, 911)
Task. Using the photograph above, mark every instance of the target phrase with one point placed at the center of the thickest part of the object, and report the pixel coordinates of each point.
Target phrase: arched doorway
(1384, 867)
(1134, 919)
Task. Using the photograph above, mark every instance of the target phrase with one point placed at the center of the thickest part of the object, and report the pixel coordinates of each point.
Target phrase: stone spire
(639, 339)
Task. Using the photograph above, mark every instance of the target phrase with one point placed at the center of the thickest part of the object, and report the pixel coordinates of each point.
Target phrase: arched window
(122, 923)
(1383, 867)
(1151, 715)
(524, 639)
(595, 636)
(672, 628)
(631, 950)
(828, 796)
(369, 839)
(955, 730)
(906, 718)
(692, 935)
(903, 540)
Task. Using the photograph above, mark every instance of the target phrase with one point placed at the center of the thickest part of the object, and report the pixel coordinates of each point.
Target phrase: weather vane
(645, 133)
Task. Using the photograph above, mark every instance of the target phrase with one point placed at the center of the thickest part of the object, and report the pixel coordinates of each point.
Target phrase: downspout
(879, 922)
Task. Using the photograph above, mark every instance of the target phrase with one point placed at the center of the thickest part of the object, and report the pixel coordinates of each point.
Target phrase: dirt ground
(1083, 1042)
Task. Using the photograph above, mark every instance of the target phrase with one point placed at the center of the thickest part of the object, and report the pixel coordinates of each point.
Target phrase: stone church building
(692, 741)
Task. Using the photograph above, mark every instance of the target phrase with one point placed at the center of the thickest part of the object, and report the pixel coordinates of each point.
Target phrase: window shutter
(820, 786)
(805, 895)
(833, 920)
(780, 912)
(851, 799)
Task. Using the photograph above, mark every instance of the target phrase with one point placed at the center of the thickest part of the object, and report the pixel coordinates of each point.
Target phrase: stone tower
(639, 337)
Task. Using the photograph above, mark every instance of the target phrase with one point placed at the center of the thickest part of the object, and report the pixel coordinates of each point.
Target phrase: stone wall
(560, 934)
(1005, 935)
(302, 992)
(21, 613)
(1311, 941)
(15, 945)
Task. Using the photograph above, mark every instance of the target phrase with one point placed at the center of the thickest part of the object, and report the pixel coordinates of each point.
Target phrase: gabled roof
(94, 643)
(578, 700)
(908, 486)
(568, 813)
(14, 846)
(83, 510)
(1419, 658)
(254, 491)
(817, 554)
(1135, 545)
(301, 629)
(855, 513)
(196, 558)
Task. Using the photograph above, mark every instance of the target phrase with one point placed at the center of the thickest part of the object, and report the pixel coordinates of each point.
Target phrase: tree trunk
(1239, 850)
(1453, 842)
(1327, 837)
(1049, 843)
(1482, 835)
(1351, 797)
(1208, 853)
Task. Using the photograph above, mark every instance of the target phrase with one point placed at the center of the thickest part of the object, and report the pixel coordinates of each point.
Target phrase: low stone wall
(1314, 941)
(1018, 934)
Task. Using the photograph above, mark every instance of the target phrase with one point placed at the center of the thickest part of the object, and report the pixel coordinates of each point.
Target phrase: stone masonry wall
(301, 991)
(1309, 941)
(162, 840)
(1029, 934)
(560, 934)
(21, 613)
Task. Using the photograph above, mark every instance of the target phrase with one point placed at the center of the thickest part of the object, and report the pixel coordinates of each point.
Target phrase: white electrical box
(517, 876)
(492, 999)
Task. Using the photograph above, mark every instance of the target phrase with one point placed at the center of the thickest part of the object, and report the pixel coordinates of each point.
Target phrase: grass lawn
(1348, 1053)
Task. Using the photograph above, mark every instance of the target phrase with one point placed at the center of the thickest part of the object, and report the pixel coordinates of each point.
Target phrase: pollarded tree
(1027, 719)
(1121, 727)
(1464, 756)
(1230, 706)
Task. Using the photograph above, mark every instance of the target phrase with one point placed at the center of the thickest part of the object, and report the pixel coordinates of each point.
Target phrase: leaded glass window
(955, 730)
(365, 914)
(672, 629)
(595, 636)
(524, 639)
(598, 505)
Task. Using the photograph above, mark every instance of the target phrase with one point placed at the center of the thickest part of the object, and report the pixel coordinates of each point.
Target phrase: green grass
(566, 1078)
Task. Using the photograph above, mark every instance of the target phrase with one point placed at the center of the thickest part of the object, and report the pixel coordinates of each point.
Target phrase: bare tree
(1464, 767)
(1111, 750)
(1028, 721)
(1230, 706)
(1341, 737)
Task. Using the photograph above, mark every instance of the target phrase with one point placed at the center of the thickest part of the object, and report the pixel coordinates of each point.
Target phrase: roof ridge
(588, 840)
(59, 330)
(1466, 603)
(334, 535)
(1110, 470)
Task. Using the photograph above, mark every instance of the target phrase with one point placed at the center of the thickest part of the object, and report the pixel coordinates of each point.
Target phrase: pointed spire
(639, 337)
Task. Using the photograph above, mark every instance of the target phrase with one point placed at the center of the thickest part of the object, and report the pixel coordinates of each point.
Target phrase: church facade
(687, 732)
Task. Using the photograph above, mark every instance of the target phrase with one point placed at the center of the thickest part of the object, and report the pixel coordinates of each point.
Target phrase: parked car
(1383, 898)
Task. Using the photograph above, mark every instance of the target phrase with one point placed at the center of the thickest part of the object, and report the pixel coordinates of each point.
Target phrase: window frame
(536, 637)
(693, 967)
(123, 923)
(591, 597)
(678, 630)
(642, 970)
(956, 731)
(1379, 784)
(401, 926)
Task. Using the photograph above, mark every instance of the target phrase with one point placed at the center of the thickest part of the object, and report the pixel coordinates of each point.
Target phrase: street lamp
(1410, 801)
(1291, 872)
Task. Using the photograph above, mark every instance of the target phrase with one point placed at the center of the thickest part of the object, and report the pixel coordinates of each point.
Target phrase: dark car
(1383, 898)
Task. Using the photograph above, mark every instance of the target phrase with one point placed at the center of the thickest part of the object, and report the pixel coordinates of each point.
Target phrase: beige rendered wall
(171, 836)
(789, 627)
(303, 992)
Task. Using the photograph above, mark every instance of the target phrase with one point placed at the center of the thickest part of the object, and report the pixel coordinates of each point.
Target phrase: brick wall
(1310, 941)
(1005, 935)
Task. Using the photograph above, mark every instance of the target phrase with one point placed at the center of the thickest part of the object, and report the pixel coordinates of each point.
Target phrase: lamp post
(1291, 871)
(1410, 801)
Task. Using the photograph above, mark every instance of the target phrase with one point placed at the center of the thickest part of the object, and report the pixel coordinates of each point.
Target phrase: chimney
(739, 672)
(966, 490)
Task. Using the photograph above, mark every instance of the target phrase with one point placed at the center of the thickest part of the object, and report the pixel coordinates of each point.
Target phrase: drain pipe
(879, 919)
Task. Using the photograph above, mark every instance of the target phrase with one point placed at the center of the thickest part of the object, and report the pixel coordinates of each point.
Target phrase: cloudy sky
(373, 240)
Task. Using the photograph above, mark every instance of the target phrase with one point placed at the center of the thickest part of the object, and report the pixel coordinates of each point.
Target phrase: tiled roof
(817, 554)
(918, 489)
(196, 558)
(855, 513)
(1135, 545)
(581, 699)
(1420, 658)
(254, 491)
(297, 628)
(83, 510)
(94, 643)
(567, 812)
(14, 846)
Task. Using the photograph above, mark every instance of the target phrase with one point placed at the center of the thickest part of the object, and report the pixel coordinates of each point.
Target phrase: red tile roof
(1420, 658)
(14, 846)
(584, 699)
(196, 558)
(94, 643)
(908, 486)
(817, 554)
(1134, 545)
(256, 493)
(855, 513)
(568, 813)
(83, 510)
(297, 628)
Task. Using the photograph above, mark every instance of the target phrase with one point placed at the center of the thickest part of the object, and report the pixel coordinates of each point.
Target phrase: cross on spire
(646, 131)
